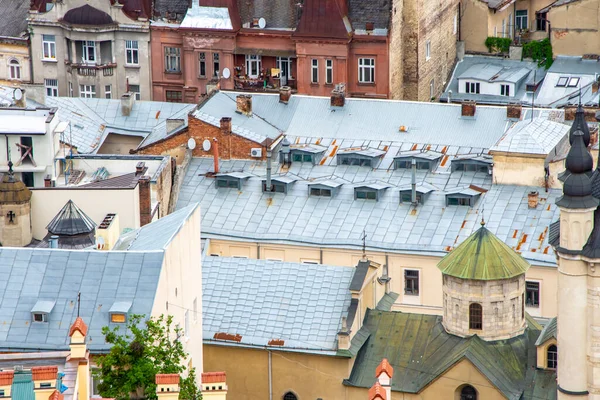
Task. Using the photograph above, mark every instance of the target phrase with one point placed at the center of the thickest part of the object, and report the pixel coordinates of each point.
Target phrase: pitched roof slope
(13, 19)
(321, 18)
(483, 256)
(539, 136)
(261, 300)
(405, 339)
(71, 220)
(548, 332)
(376, 11)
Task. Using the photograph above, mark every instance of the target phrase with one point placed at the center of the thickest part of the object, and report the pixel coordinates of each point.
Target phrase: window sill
(50, 60)
(329, 84)
(314, 84)
(412, 294)
(202, 77)
(372, 84)
(132, 66)
(173, 72)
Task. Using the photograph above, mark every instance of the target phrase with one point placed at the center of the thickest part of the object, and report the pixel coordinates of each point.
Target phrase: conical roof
(482, 256)
(70, 221)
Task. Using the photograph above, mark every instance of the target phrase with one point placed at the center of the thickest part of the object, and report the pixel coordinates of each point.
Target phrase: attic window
(349, 160)
(366, 194)
(470, 166)
(573, 82)
(302, 157)
(223, 182)
(407, 164)
(320, 192)
(40, 317)
(406, 197)
(459, 200)
(1, 392)
(41, 310)
(233, 180)
(562, 81)
(118, 318)
(118, 312)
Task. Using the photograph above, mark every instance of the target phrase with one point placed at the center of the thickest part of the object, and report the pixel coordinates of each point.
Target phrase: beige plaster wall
(96, 203)
(575, 28)
(179, 288)
(430, 298)
(474, 24)
(518, 170)
(14, 51)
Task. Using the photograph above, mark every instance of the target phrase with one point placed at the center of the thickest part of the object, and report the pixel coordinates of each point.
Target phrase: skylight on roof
(562, 81)
(573, 82)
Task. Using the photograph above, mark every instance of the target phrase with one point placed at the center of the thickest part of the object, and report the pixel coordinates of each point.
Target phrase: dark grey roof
(103, 277)
(70, 221)
(13, 19)
(87, 15)
(592, 247)
(363, 11)
(554, 233)
(358, 279)
(277, 14)
(173, 9)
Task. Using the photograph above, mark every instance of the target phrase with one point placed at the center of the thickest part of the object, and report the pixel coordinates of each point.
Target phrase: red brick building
(309, 45)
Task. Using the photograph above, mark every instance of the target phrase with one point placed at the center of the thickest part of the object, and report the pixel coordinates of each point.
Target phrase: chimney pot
(47, 181)
(285, 92)
(127, 101)
(533, 199)
(468, 108)
(139, 168)
(225, 125)
(513, 111)
(244, 104)
(338, 95)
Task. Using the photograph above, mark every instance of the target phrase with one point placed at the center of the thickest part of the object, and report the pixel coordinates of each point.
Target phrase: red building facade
(257, 45)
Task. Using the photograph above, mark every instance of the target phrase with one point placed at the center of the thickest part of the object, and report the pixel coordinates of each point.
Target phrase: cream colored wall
(119, 144)
(180, 284)
(14, 51)
(430, 297)
(47, 202)
(474, 24)
(542, 353)
(575, 28)
(518, 170)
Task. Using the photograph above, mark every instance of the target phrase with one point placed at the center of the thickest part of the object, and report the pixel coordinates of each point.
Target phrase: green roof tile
(482, 256)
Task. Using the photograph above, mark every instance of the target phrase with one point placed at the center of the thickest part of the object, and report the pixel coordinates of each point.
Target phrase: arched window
(468, 393)
(552, 357)
(290, 396)
(14, 69)
(475, 316)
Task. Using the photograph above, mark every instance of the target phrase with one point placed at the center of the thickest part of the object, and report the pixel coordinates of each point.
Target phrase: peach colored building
(252, 46)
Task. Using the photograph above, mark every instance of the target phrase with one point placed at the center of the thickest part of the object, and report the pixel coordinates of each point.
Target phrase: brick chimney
(244, 104)
(145, 200)
(167, 386)
(6, 381)
(127, 101)
(383, 374)
(343, 336)
(47, 181)
(285, 93)
(338, 95)
(468, 108)
(513, 111)
(44, 381)
(225, 124)
(533, 199)
(214, 386)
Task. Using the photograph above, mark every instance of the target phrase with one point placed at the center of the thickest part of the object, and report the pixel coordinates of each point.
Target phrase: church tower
(575, 326)
(484, 288)
(15, 209)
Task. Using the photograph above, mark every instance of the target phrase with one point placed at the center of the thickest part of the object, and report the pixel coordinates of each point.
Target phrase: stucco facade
(79, 57)
(14, 61)
(574, 28)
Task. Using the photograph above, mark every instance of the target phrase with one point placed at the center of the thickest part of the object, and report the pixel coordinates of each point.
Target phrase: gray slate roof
(376, 11)
(277, 14)
(477, 65)
(339, 220)
(262, 300)
(29, 275)
(174, 8)
(93, 119)
(13, 19)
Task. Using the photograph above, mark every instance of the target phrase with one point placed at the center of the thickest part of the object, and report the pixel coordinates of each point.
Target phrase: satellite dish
(191, 144)
(18, 94)
(226, 73)
(262, 23)
(206, 145)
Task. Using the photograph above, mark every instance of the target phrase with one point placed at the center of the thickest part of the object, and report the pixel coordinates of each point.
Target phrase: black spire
(580, 124)
(596, 174)
(577, 189)
(11, 173)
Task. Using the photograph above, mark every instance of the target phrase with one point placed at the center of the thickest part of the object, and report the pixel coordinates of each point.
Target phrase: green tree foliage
(497, 44)
(540, 51)
(144, 349)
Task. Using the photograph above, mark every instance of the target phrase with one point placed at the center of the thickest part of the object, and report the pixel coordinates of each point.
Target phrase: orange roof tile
(44, 373)
(6, 378)
(167, 379)
(56, 395)
(214, 377)
(377, 392)
(384, 366)
(78, 325)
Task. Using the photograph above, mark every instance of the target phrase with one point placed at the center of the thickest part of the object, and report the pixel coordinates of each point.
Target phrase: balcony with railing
(90, 58)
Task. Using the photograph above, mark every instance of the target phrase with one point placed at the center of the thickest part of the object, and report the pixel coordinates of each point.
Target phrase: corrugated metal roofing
(261, 300)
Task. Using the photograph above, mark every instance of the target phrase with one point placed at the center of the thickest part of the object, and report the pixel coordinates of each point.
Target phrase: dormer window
(573, 82)
(472, 164)
(302, 157)
(279, 184)
(118, 312)
(306, 153)
(370, 191)
(41, 310)
(562, 81)
(464, 197)
(232, 180)
(320, 192)
(406, 197)
(422, 193)
(424, 160)
(326, 188)
(359, 156)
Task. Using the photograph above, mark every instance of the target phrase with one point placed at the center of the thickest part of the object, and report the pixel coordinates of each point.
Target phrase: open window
(41, 311)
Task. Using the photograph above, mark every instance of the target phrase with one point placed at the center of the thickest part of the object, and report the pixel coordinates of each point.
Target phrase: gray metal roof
(367, 152)
(482, 67)
(550, 95)
(296, 217)
(103, 277)
(93, 119)
(261, 300)
(43, 306)
(310, 116)
(421, 187)
(425, 155)
(120, 307)
(236, 174)
(537, 136)
(158, 234)
(373, 185)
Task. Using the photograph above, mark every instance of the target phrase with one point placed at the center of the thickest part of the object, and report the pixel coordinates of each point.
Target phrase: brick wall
(396, 52)
(230, 145)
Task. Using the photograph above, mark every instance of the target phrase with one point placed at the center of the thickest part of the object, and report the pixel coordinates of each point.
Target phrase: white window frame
(505, 90)
(48, 48)
(472, 87)
(138, 94)
(455, 24)
(519, 19)
(132, 54)
(510, 31)
(173, 59)
(186, 325)
(94, 380)
(503, 28)
(314, 71)
(88, 48)
(108, 91)
(51, 86)
(216, 64)
(70, 89)
(366, 70)
(14, 69)
(428, 50)
(87, 91)
(285, 60)
(253, 65)
(195, 310)
(412, 298)
(329, 71)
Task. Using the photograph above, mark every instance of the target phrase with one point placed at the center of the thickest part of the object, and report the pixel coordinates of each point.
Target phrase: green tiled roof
(483, 256)
(420, 350)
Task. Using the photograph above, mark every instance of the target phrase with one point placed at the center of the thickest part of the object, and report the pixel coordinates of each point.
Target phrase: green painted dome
(482, 256)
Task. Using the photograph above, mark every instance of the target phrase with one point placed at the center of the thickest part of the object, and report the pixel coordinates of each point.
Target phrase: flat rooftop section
(15, 121)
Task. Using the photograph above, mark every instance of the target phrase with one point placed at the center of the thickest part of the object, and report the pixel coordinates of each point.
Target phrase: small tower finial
(482, 216)
(364, 245)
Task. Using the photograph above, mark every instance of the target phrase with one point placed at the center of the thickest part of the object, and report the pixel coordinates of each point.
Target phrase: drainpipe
(270, 378)
(414, 182)
(268, 184)
(216, 154)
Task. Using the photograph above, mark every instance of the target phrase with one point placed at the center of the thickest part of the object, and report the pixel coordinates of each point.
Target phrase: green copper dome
(482, 256)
